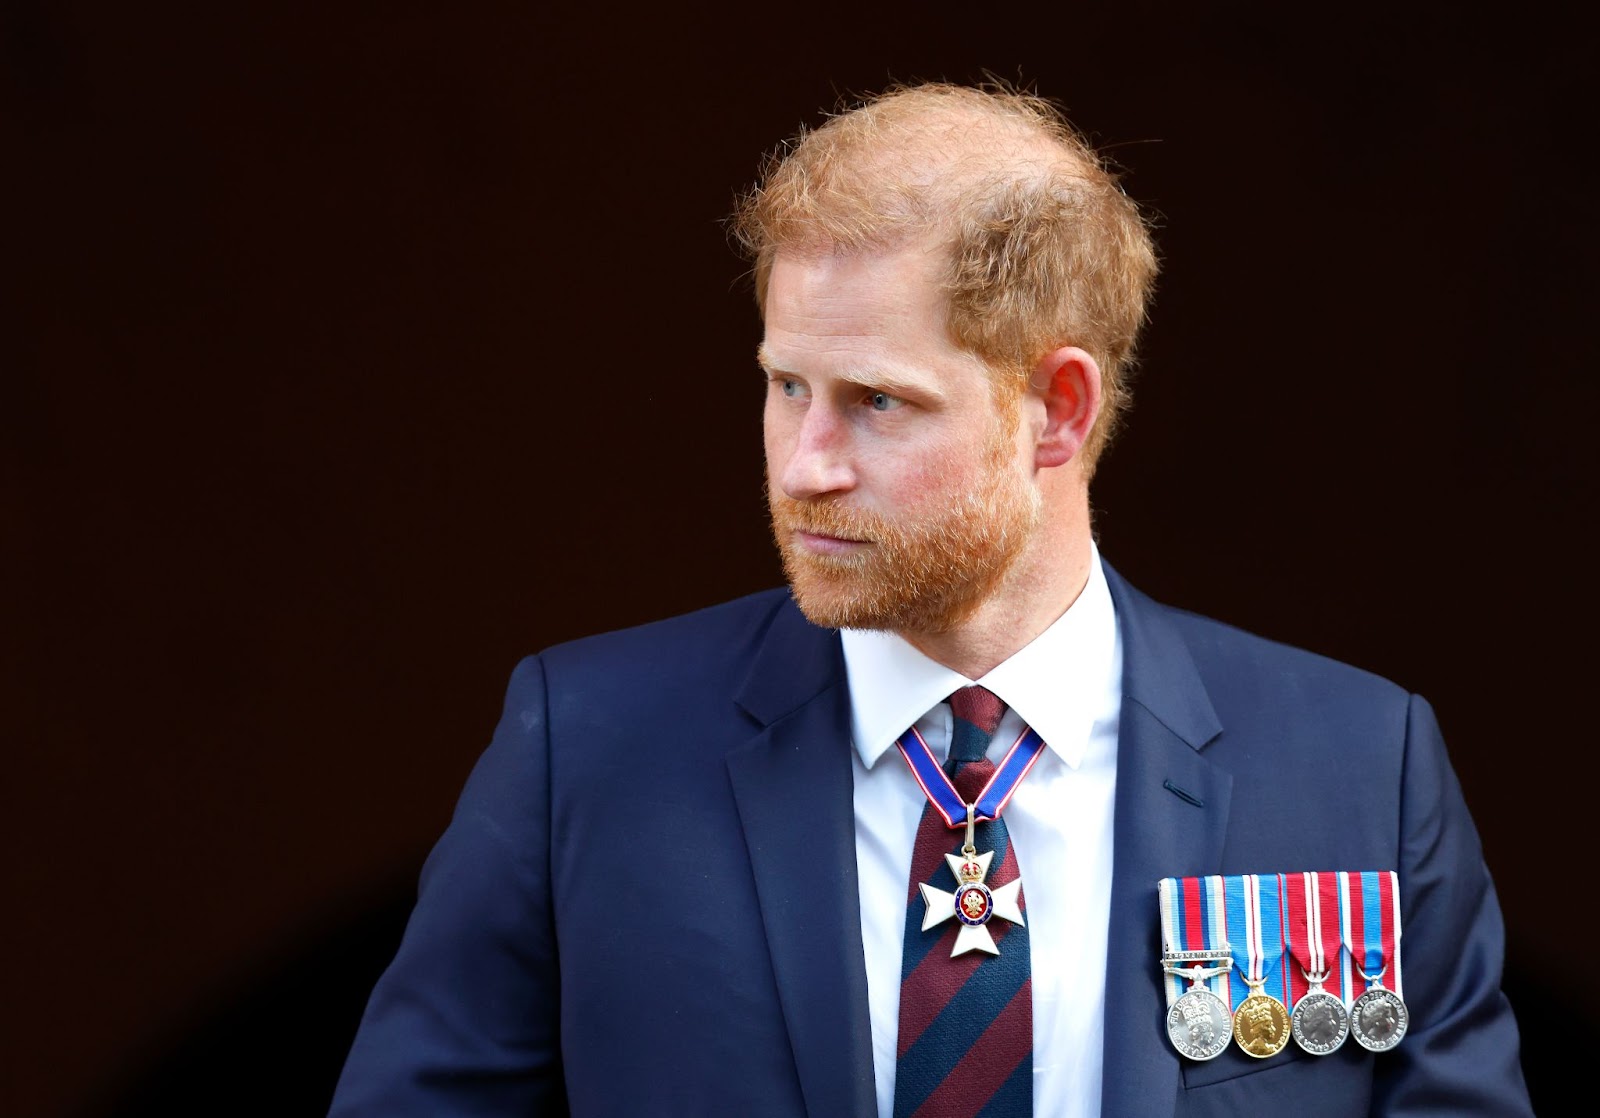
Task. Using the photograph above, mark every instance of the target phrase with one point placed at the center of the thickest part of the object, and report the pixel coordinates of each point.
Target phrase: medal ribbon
(1313, 931)
(941, 791)
(1255, 931)
(1370, 904)
(1194, 918)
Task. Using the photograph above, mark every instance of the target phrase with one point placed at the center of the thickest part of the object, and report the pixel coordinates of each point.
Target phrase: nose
(818, 461)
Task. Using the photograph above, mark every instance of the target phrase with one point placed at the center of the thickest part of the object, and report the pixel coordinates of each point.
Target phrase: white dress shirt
(1067, 685)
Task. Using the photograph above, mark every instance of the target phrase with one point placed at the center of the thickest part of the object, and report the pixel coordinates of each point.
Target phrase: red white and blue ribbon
(941, 792)
(1314, 932)
(1369, 903)
(1194, 917)
(1255, 931)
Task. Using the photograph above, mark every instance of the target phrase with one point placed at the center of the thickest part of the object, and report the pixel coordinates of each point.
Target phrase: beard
(923, 574)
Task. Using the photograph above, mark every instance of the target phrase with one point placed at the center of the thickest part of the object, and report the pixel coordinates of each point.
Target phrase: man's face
(899, 490)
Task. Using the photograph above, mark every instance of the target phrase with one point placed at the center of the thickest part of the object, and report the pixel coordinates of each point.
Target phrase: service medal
(1255, 928)
(1195, 949)
(1261, 1026)
(1198, 1023)
(1378, 1020)
(1370, 901)
(1320, 1022)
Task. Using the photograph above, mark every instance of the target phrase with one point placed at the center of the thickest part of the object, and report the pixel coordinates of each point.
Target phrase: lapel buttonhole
(1186, 797)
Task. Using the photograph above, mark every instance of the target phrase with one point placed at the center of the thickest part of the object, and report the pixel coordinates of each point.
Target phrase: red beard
(924, 573)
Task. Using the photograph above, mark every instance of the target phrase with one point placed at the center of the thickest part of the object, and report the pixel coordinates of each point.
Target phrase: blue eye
(882, 401)
(790, 386)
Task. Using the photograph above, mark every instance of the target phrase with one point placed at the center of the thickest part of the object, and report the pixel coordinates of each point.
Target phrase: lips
(821, 544)
(828, 537)
(827, 523)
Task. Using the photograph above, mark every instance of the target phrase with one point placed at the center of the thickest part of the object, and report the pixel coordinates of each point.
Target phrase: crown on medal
(971, 871)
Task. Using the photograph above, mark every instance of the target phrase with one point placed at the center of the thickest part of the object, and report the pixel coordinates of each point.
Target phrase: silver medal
(1378, 1020)
(1320, 1021)
(1198, 1023)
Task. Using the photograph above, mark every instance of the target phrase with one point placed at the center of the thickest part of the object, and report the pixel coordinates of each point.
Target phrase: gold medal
(1260, 1024)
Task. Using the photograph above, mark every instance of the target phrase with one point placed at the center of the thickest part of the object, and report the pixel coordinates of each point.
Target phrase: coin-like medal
(1378, 1020)
(1194, 948)
(1260, 1021)
(1198, 1023)
(1370, 901)
(1320, 1021)
(1261, 1025)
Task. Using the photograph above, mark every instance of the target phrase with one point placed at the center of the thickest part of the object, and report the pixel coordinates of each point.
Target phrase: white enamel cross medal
(973, 902)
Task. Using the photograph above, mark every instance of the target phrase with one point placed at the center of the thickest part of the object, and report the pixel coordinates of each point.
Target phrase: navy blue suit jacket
(646, 902)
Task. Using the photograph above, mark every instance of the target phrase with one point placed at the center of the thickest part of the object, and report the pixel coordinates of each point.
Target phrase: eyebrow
(875, 377)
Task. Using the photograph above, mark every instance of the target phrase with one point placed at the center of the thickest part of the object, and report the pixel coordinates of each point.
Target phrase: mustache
(828, 518)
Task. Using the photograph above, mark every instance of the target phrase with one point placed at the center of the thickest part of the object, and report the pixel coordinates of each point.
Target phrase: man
(699, 870)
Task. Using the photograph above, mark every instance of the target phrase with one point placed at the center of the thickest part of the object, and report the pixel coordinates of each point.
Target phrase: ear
(1066, 382)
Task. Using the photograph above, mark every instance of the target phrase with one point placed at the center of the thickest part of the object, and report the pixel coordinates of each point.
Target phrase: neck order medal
(973, 902)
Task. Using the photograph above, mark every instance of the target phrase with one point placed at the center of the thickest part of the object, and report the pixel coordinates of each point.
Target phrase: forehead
(842, 312)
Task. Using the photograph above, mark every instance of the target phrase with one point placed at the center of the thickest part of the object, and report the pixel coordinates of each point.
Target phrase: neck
(1041, 586)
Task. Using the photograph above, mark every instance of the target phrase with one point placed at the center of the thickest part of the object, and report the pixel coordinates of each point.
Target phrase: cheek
(923, 481)
(775, 438)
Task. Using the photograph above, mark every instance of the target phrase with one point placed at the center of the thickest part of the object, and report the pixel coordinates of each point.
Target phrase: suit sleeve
(466, 1018)
(1460, 1053)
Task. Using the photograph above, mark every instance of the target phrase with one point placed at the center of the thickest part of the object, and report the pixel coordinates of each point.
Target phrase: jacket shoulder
(704, 651)
(1250, 678)
(727, 625)
(1232, 651)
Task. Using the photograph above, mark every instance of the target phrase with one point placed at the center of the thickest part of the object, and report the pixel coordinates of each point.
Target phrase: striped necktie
(966, 1023)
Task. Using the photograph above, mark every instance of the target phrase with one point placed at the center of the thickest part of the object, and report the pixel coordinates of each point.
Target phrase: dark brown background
(350, 356)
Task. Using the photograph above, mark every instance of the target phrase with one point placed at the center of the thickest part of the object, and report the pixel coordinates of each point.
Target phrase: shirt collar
(1057, 683)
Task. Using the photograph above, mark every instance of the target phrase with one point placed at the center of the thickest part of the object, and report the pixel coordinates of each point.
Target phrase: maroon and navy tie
(966, 1023)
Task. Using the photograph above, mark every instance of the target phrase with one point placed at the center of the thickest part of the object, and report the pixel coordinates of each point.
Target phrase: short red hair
(1044, 249)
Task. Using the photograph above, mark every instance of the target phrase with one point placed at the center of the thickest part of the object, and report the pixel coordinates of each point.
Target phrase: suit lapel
(793, 786)
(1167, 719)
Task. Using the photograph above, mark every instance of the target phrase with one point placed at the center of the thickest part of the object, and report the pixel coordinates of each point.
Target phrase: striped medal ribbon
(1255, 929)
(1320, 1022)
(1196, 959)
(1369, 903)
